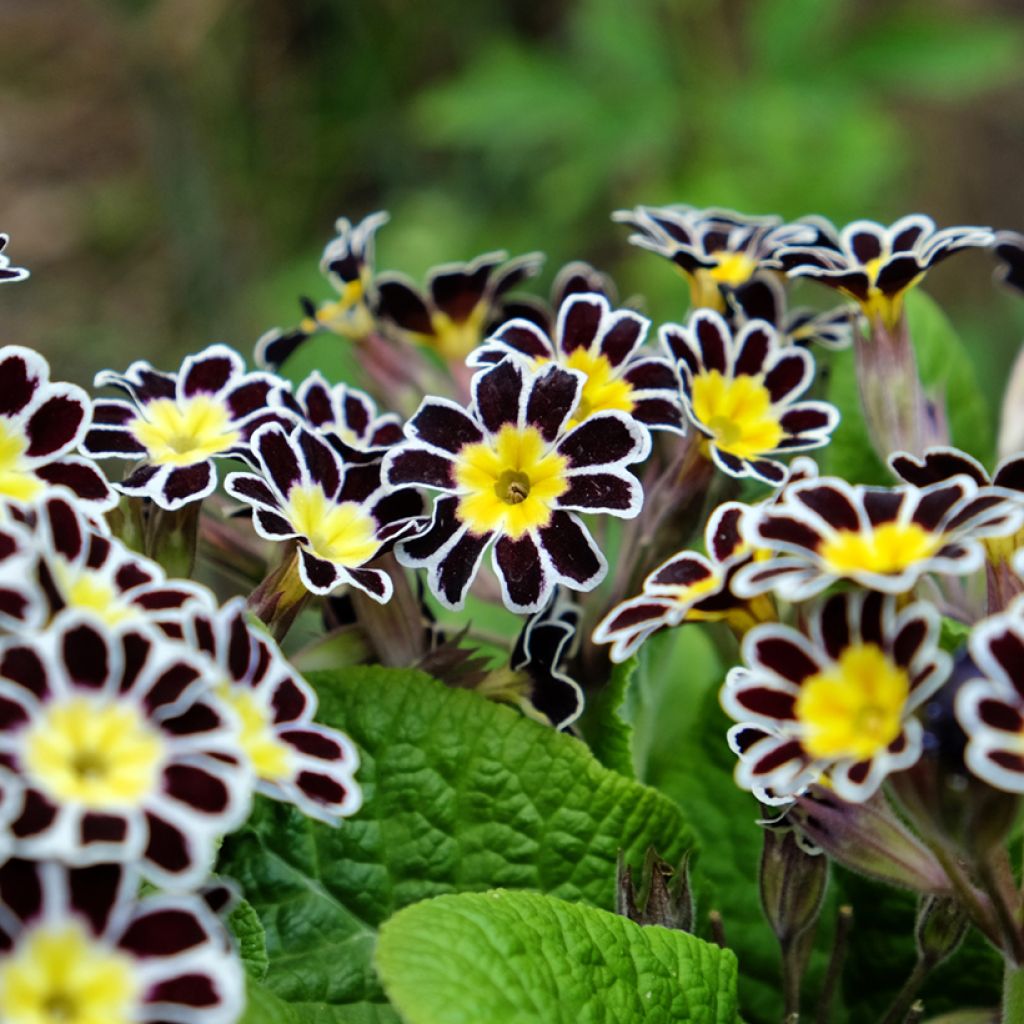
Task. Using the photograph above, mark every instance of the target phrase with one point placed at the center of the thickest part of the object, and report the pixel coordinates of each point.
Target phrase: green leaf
(954, 634)
(521, 957)
(247, 929)
(460, 795)
(608, 735)
(945, 369)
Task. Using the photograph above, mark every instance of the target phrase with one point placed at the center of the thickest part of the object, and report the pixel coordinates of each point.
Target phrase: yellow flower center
(732, 268)
(455, 339)
(511, 482)
(94, 752)
(878, 305)
(59, 974)
(271, 759)
(738, 412)
(601, 390)
(889, 548)
(855, 709)
(341, 533)
(16, 481)
(182, 433)
(86, 590)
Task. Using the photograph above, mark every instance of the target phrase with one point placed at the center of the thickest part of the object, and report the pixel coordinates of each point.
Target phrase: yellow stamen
(511, 483)
(732, 268)
(271, 759)
(738, 411)
(17, 482)
(181, 433)
(95, 752)
(341, 533)
(86, 589)
(59, 974)
(889, 548)
(854, 710)
(601, 390)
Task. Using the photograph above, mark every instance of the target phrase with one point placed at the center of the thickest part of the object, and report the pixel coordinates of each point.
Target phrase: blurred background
(171, 169)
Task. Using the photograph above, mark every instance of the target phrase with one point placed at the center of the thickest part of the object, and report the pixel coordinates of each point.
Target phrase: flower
(716, 250)
(125, 754)
(339, 515)
(177, 424)
(604, 346)
(884, 538)
(990, 705)
(41, 423)
(293, 758)
(876, 265)
(344, 416)
(740, 391)
(509, 471)
(688, 587)
(1009, 250)
(461, 303)
(838, 701)
(21, 601)
(7, 272)
(76, 945)
(574, 278)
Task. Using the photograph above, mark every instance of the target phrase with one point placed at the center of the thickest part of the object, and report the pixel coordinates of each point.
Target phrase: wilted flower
(838, 701)
(7, 272)
(177, 424)
(605, 346)
(510, 471)
(77, 945)
(741, 392)
(462, 302)
(875, 264)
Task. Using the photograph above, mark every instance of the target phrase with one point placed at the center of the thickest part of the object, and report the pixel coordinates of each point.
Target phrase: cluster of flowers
(138, 715)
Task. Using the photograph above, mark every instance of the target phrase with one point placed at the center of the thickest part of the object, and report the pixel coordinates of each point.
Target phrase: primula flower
(7, 272)
(347, 263)
(177, 424)
(345, 416)
(990, 706)
(875, 264)
(740, 391)
(837, 702)
(78, 947)
(41, 423)
(604, 346)
(339, 515)
(125, 754)
(462, 302)
(509, 471)
(688, 587)
(293, 758)
(575, 278)
(20, 597)
(716, 250)
(884, 538)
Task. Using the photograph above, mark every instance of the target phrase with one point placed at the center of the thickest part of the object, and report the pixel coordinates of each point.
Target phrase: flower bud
(940, 928)
(793, 884)
(665, 896)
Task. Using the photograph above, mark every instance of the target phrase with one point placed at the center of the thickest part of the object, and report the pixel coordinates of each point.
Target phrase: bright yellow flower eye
(341, 533)
(601, 391)
(270, 758)
(60, 975)
(182, 433)
(738, 412)
(889, 548)
(854, 710)
(454, 340)
(98, 753)
(732, 268)
(511, 483)
(16, 482)
(87, 590)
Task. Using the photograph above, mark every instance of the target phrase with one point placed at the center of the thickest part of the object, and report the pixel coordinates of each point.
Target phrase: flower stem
(1013, 995)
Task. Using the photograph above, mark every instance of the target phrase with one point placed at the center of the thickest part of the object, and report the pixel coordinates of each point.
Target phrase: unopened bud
(793, 884)
(665, 896)
(940, 928)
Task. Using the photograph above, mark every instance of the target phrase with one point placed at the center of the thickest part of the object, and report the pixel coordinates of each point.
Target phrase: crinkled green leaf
(460, 795)
(521, 958)
(247, 929)
(608, 735)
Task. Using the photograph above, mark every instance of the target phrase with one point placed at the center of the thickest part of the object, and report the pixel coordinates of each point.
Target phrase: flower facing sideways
(837, 702)
(510, 471)
(7, 272)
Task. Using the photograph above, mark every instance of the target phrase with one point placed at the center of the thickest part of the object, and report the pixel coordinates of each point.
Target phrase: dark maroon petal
(444, 525)
(640, 614)
(496, 395)
(835, 625)
(1010, 475)
(360, 482)
(207, 374)
(278, 458)
(831, 503)
(743, 737)
(804, 418)
(625, 335)
(996, 714)
(21, 889)
(417, 466)
(682, 571)
(712, 340)
(94, 893)
(403, 306)
(897, 274)
(371, 580)
(197, 719)
(767, 702)
(768, 470)
(249, 396)
(934, 505)
(458, 290)
(289, 702)
(313, 744)
(680, 348)
(320, 461)
(658, 412)
(774, 758)
(789, 375)
(524, 338)
(194, 989)
(909, 641)
(982, 509)
(572, 550)
(112, 441)
(755, 344)
(599, 491)
(85, 656)
(186, 482)
(53, 426)
(18, 382)
(788, 530)
(579, 321)
(164, 931)
(726, 537)
(1011, 761)
(274, 525)
(859, 772)
(872, 611)
(274, 348)
(651, 375)
(865, 245)
(1007, 649)
(147, 384)
(37, 815)
(785, 657)
(553, 397)
(322, 789)
(597, 441)
(78, 476)
(250, 488)
(520, 565)
(23, 666)
(445, 426)
(168, 848)
(321, 575)
(199, 789)
(459, 565)
(102, 828)
(882, 506)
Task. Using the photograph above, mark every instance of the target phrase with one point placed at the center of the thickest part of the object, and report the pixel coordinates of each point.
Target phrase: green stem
(1013, 995)
(906, 995)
